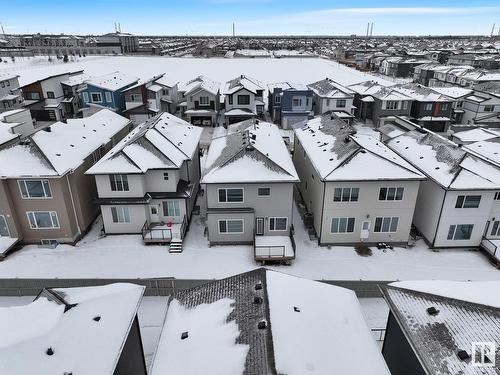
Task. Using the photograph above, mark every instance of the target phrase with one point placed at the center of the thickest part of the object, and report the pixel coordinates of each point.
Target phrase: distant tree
(65, 58)
(13, 58)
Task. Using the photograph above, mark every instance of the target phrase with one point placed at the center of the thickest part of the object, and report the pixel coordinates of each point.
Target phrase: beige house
(45, 197)
(355, 188)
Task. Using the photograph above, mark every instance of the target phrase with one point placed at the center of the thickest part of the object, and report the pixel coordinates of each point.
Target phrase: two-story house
(243, 99)
(429, 108)
(15, 124)
(460, 196)
(148, 183)
(146, 99)
(45, 197)
(458, 94)
(249, 178)
(200, 101)
(355, 188)
(71, 101)
(398, 66)
(332, 96)
(10, 94)
(374, 102)
(482, 108)
(106, 92)
(289, 103)
(44, 97)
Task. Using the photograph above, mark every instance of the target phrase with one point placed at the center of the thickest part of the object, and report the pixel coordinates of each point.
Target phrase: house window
(230, 99)
(341, 103)
(34, 189)
(386, 224)
(50, 95)
(119, 182)
(204, 100)
(171, 208)
(278, 223)
(109, 98)
(459, 104)
(43, 219)
(296, 102)
(96, 97)
(4, 229)
(444, 106)
(231, 226)
(277, 99)
(497, 196)
(405, 105)
(489, 108)
(7, 83)
(391, 194)
(136, 97)
(230, 195)
(165, 176)
(85, 97)
(460, 232)
(120, 214)
(346, 194)
(495, 229)
(468, 201)
(391, 104)
(154, 210)
(428, 107)
(342, 225)
(264, 192)
(165, 92)
(32, 95)
(2, 84)
(328, 102)
(243, 99)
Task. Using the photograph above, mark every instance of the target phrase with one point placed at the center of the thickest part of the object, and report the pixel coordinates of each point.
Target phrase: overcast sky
(252, 17)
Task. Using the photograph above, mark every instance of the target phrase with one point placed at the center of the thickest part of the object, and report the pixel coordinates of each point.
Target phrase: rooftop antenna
(371, 30)
(119, 27)
(367, 29)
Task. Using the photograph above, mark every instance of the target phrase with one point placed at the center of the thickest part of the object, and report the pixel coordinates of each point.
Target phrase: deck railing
(155, 234)
(489, 246)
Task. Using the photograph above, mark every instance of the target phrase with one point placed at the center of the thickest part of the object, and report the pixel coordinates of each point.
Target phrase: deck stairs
(175, 245)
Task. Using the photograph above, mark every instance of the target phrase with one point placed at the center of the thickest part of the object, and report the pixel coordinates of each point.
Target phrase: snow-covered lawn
(298, 70)
(125, 256)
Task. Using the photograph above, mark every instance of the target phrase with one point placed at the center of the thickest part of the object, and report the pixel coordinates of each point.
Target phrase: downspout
(322, 213)
(439, 218)
(74, 207)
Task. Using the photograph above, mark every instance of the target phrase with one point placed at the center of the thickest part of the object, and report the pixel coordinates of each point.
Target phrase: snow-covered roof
(306, 331)
(477, 134)
(76, 79)
(6, 133)
(200, 83)
(467, 312)
(243, 82)
(4, 115)
(163, 142)
(249, 146)
(112, 81)
(84, 328)
(488, 149)
(4, 76)
(421, 93)
(328, 88)
(166, 80)
(454, 92)
(445, 162)
(376, 90)
(62, 149)
(339, 154)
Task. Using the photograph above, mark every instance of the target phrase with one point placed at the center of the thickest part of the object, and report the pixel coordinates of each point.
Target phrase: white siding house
(243, 99)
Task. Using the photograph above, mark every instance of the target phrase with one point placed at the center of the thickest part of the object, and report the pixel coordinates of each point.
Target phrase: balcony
(160, 233)
(271, 249)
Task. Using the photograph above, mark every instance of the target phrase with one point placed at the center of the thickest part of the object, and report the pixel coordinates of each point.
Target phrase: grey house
(249, 178)
(437, 327)
(375, 102)
(10, 94)
(243, 99)
(289, 104)
(148, 183)
(45, 197)
(199, 101)
(355, 188)
(332, 96)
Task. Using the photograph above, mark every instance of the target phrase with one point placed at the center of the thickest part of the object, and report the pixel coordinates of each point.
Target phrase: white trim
(97, 93)
(6, 226)
(226, 220)
(108, 96)
(395, 194)
(382, 224)
(122, 208)
(346, 227)
(43, 187)
(242, 195)
(278, 217)
(51, 219)
(263, 187)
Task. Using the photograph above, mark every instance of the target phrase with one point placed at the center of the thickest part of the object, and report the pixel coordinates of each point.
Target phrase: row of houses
(250, 322)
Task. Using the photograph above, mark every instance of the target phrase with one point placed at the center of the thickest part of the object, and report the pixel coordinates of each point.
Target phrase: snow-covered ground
(125, 256)
(297, 70)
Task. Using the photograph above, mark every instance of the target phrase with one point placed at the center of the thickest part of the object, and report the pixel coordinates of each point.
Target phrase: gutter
(439, 218)
(73, 204)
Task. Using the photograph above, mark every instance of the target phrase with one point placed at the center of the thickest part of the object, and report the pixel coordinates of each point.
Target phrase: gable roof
(445, 162)
(421, 93)
(306, 329)
(62, 149)
(376, 90)
(339, 154)
(488, 149)
(200, 83)
(112, 81)
(63, 320)
(76, 72)
(163, 142)
(467, 313)
(328, 88)
(242, 82)
(249, 146)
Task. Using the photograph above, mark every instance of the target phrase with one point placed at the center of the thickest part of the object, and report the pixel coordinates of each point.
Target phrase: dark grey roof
(489, 87)
(436, 339)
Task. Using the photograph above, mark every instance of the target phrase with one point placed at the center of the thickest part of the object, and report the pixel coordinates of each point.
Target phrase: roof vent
(249, 148)
(296, 309)
(257, 300)
(363, 151)
(253, 136)
(432, 311)
(184, 335)
(258, 286)
(347, 140)
(48, 129)
(50, 351)
(262, 324)
(96, 318)
(463, 355)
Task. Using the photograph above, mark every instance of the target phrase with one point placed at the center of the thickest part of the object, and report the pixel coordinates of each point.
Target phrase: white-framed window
(204, 100)
(264, 191)
(460, 232)
(328, 102)
(342, 225)
(346, 194)
(154, 210)
(231, 195)
(171, 208)
(341, 103)
(296, 102)
(43, 219)
(118, 182)
(391, 104)
(468, 201)
(48, 243)
(165, 176)
(278, 223)
(51, 95)
(444, 106)
(386, 224)
(4, 228)
(135, 97)
(120, 215)
(391, 194)
(85, 96)
(165, 91)
(96, 97)
(231, 226)
(489, 108)
(459, 104)
(34, 189)
(243, 99)
(277, 99)
(405, 105)
(495, 228)
(428, 107)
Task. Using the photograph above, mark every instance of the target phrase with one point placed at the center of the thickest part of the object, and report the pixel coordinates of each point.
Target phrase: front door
(365, 230)
(259, 226)
(4, 230)
(153, 213)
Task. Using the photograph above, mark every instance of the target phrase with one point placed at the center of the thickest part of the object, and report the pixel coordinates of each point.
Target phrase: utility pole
(234, 34)
(371, 30)
(492, 30)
